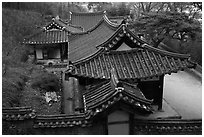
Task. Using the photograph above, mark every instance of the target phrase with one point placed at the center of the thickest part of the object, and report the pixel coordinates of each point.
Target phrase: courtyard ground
(183, 92)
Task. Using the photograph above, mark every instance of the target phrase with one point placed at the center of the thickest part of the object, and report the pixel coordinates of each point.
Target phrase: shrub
(45, 81)
(10, 93)
(13, 83)
(34, 92)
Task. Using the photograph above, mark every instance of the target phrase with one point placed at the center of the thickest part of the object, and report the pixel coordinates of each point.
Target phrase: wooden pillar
(61, 52)
(131, 124)
(160, 94)
(72, 95)
(35, 56)
(68, 95)
(78, 99)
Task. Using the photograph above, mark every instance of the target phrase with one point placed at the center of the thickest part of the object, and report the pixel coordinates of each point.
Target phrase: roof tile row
(86, 20)
(131, 64)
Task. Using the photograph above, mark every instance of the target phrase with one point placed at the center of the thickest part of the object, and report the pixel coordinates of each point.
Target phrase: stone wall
(23, 121)
(168, 127)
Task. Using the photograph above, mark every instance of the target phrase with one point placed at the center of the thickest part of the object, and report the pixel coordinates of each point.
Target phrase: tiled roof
(55, 32)
(131, 64)
(169, 126)
(103, 96)
(142, 61)
(56, 121)
(59, 24)
(84, 44)
(96, 100)
(116, 19)
(48, 37)
(18, 113)
(86, 20)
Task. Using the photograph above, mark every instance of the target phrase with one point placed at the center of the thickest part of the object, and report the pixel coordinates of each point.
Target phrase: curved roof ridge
(103, 19)
(116, 17)
(135, 87)
(167, 52)
(57, 22)
(120, 92)
(100, 50)
(136, 37)
(118, 33)
(153, 49)
(44, 29)
(113, 35)
(145, 44)
(72, 25)
(109, 22)
(62, 25)
(88, 13)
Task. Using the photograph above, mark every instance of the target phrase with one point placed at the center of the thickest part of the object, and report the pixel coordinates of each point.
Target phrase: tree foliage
(17, 72)
(46, 8)
(190, 8)
(112, 9)
(178, 23)
(198, 5)
(98, 6)
(13, 82)
(169, 24)
(45, 81)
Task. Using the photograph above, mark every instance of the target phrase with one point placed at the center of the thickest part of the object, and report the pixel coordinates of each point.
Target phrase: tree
(98, 6)
(193, 9)
(198, 5)
(173, 25)
(177, 24)
(112, 9)
(138, 8)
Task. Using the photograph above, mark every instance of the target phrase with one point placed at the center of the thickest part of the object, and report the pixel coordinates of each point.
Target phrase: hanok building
(121, 80)
(50, 44)
(114, 81)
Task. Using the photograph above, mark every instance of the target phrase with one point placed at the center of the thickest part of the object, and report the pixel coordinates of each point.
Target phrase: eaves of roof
(102, 97)
(55, 32)
(131, 64)
(47, 37)
(142, 61)
(61, 25)
(84, 44)
(106, 92)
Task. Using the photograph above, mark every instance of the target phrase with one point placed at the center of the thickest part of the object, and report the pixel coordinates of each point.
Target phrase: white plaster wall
(118, 128)
(118, 116)
(183, 92)
(39, 54)
(123, 47)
